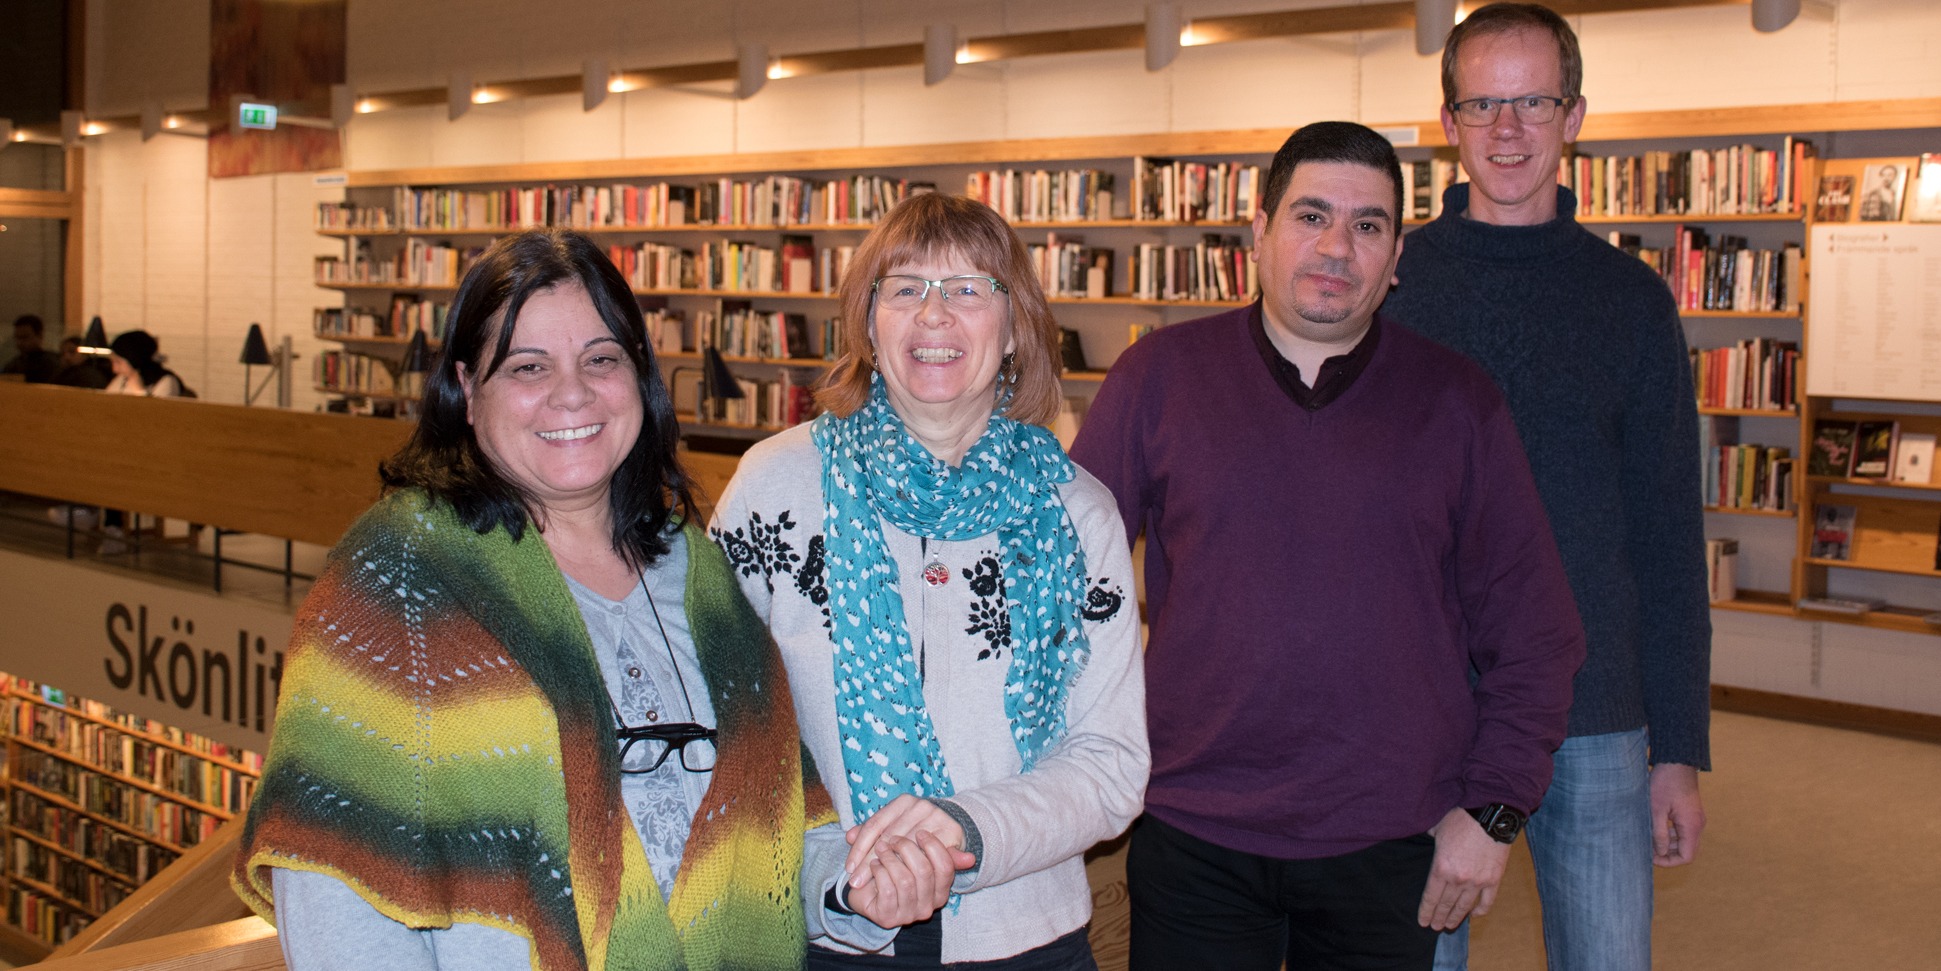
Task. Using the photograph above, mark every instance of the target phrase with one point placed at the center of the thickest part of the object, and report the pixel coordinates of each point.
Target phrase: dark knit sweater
(1585, 343)
(1319, 584)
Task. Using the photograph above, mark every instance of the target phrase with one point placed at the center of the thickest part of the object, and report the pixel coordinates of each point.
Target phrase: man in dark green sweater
(1586, 345)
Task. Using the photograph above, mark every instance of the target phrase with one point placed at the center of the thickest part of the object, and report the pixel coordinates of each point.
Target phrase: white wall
(197, 260)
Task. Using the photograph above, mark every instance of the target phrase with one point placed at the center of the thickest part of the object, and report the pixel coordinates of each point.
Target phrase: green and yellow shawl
(444, 745)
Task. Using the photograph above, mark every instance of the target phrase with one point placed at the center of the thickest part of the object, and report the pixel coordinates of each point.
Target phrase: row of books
(82, 885)
(1066, 267)
(1423, 183)
(418, 263)
(41, 916)
(196, 744)
(345, 372)
(118, 752)
(407, 315)
(796, 266)
(1738, 180)
(1043, 196)
(166, 820)
(1171, 190)
(1749, 477)
(775, 200)
(1871, 450)
(110, 848)
(1723, 274)
(1215, 268)
(736, 329)
(343, 217)
(787, 400)
(1758, 374)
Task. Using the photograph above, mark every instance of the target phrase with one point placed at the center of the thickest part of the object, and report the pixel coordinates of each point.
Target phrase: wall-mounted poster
(1875, 291)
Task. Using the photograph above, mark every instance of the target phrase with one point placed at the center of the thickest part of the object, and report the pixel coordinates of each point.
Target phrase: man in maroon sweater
(1362, 640)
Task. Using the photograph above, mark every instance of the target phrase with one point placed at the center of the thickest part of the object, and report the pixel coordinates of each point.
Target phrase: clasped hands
(902, 860)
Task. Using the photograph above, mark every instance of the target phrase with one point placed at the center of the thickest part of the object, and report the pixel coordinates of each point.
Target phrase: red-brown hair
(928, 225)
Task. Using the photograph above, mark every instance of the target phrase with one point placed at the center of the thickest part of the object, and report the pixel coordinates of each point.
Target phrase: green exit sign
(256, 116)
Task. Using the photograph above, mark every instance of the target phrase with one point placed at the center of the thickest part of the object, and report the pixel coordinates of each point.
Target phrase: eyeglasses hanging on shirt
(655, 743)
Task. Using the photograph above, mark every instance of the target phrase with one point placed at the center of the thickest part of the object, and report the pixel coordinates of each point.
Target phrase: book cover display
(1881, 189)
(1873, 449)
(1832, 448)
(1926, 207)
(1833, 532)
(1835, 204)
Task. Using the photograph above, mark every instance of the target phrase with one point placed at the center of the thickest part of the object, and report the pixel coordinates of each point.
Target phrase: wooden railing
(237, 945)
(287, 474)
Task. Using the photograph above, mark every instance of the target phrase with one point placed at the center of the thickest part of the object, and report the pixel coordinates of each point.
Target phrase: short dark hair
(935, 224)
(443, 456)
(1333, 141)
(31, 322)
(1504, 18)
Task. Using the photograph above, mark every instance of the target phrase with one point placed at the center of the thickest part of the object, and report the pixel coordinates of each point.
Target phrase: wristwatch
(1501, 822)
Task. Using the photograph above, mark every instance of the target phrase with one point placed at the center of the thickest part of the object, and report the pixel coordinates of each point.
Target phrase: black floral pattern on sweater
(1102, 600)
(989, 614)
(760, 549)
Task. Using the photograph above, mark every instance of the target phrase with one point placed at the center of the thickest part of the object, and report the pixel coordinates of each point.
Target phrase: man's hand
(1462, 880)
(905, 816)
(905, 881)
(1677, 816)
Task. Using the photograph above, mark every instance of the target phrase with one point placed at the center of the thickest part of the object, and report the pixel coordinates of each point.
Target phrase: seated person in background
(136, 369)
(527, 719)
(952, 597)
(33, 362)
(78, 370)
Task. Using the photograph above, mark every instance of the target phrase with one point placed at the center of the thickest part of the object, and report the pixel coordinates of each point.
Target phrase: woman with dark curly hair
(527, 718)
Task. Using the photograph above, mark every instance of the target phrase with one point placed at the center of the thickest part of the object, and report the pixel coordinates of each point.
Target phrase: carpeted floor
(1823, 851)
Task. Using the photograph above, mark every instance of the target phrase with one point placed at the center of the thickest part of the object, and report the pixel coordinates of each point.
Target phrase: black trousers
(920, 946)
(1196, 905)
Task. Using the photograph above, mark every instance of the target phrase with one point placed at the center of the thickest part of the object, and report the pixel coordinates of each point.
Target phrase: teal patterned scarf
(1008, 485)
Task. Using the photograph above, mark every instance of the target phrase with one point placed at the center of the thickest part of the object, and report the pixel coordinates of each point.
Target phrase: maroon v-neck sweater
(1321, 584)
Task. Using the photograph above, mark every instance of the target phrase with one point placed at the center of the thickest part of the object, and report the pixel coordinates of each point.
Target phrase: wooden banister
(288, 474)
(192, 892)
(238, 945)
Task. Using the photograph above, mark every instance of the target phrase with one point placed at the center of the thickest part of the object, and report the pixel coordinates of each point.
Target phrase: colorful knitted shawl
(444, 745)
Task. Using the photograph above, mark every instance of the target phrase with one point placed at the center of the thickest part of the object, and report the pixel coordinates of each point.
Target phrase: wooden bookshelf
(1897, 527)
(1105, 334)
(415, 226)
(63, 754)
(1741, 511)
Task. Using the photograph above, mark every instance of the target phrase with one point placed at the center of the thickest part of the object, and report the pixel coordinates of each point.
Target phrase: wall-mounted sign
(250, 115)
(196, 660)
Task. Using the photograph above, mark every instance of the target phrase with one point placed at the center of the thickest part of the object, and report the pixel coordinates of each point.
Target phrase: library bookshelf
(98, 802)
(1892, 558)
(1110, 228)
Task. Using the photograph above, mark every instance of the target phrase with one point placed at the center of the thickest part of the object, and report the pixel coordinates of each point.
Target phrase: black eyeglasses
(1533, 109)
(660, 741)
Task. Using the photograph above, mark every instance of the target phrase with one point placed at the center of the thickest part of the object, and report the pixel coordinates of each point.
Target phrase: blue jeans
(1591, 845)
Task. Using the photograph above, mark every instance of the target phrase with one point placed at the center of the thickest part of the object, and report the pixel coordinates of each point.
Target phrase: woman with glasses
(954, 601)
(527, 718)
